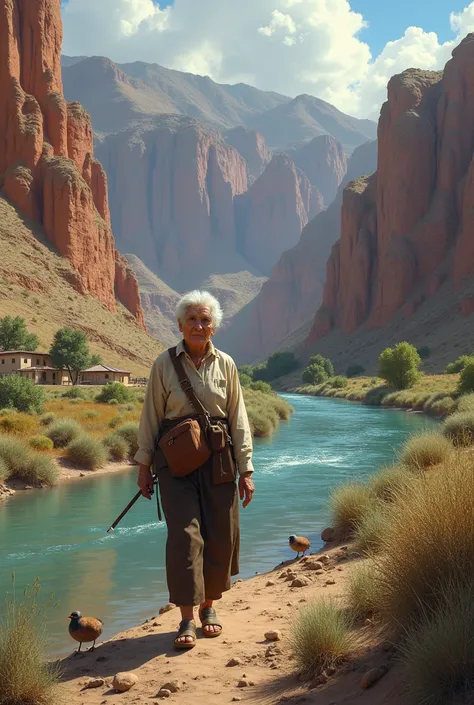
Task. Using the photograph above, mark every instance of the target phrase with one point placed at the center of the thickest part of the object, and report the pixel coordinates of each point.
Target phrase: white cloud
(289, 46)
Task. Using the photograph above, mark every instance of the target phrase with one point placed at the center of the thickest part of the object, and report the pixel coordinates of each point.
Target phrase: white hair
(200, 298)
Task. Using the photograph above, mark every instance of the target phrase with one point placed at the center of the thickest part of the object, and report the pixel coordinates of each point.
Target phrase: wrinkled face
(197, 328)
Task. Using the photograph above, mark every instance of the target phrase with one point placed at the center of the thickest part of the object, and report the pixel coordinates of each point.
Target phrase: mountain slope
(36, 283)
(306, 117)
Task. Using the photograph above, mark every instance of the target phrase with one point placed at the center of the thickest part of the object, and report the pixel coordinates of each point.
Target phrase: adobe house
(45, 375)
(17, 360)
(103, 374)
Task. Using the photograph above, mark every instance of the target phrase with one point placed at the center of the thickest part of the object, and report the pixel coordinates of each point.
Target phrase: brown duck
(84, 629)
(299, 544)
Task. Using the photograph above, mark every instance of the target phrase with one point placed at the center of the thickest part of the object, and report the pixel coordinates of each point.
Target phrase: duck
(84, 629)
(299, 544)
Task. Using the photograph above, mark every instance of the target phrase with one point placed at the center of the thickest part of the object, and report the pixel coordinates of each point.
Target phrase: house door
(43, 378)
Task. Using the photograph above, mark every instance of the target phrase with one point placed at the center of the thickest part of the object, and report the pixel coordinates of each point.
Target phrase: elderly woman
(194, 430)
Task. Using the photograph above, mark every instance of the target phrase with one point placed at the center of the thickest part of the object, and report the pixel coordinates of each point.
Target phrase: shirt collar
(212, 351)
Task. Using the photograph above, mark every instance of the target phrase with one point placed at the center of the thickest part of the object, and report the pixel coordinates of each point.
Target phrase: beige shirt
(217, 386)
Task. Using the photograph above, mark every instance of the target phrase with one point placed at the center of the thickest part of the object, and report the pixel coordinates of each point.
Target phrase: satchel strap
(186, 385)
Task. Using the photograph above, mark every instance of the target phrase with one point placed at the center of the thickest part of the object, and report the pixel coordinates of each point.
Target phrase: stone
(373, 676)
(46, 152)
(324, 558)
(236, 699)
(164, 693)
(330, 582)
(172, 686)
(327, 535)
(291, 576)
(299, 583)
(316, 565)
(242, 683)
(270, 583)
(322, 679)
(273, 635)
(94, 683)
(124, 681)
(167, 608)
(234, 662)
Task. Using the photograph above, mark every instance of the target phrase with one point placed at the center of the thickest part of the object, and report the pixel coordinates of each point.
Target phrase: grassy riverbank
(433, 394)
(77, 432)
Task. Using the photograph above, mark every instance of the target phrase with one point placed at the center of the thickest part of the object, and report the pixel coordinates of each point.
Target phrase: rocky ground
(244, 664)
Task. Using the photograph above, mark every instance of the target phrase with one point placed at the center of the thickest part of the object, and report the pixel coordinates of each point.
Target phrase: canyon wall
(47, 168)
(408, 229)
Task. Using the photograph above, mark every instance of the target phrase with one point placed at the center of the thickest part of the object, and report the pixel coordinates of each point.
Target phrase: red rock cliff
(407, 229)
(172, 190)
(251, 146)
(324, 162)
(46, 163)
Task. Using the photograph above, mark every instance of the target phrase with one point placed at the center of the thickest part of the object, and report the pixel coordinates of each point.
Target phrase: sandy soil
(265, 670)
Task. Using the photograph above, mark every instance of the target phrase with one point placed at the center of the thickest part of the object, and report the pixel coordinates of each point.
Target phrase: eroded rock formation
(251, 146)
(46, 163)
(410, 227)
(324, 162)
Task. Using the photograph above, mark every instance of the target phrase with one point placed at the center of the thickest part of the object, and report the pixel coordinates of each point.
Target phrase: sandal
(186, 628)
(208, 618)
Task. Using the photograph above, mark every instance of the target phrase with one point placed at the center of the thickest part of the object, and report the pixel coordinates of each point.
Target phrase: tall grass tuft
(438, 651)
(48, 418)
(362, 590)
(87, 452)
(63, 432)
(430, 544)
(3, 470)
(424, 450)
(459, 428)
(371, 532)
(25, 676)
(389, 482)
(466, 403)
(41, 443)
(129, 432)
(320, 638)
(349, 505)
(117, 447)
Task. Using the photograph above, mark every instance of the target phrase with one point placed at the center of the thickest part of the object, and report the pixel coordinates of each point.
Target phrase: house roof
(106, 368)
(22, 352)
(40, 367)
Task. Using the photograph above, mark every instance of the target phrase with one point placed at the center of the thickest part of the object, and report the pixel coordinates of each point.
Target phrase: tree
(323, 362)
(246, 370)
(245, 380)
(399, 366)
(281, 363)
(20, 393)
(314, 374)
(14, 335)
(70, 351)
(459, 364)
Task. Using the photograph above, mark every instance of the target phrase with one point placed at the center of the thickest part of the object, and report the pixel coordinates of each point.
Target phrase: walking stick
(132, 502)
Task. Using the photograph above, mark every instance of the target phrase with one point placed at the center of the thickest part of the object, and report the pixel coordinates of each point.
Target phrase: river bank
(434, 395)
(242, 665)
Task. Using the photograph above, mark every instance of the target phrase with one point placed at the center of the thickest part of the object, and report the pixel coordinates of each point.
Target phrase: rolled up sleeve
(239, 424)
(152, 415)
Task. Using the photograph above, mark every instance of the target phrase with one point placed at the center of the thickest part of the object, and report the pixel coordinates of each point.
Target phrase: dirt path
(264, 669)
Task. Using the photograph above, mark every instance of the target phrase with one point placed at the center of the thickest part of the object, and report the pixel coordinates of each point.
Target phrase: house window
(38, 362)
(3, 362)
(106, 376)
(25, 360)
(44, 363)
(13, 360)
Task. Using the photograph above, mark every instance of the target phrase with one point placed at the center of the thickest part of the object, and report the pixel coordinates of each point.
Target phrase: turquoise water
(59, 535)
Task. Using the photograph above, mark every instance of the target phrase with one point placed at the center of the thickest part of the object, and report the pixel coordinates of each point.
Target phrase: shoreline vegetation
(80, 431)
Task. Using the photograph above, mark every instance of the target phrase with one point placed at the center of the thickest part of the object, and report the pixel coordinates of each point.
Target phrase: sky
(343, 51)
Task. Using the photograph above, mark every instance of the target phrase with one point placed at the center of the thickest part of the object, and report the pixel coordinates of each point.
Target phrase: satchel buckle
(170, 442)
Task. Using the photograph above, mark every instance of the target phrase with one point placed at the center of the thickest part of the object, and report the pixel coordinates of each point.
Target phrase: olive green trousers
(202, 548)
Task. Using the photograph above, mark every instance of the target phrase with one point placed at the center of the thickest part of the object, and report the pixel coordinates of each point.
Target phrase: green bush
(27, 677)
(117, 447)
(314, 374)
(64, 431)
(466, 378)
(113, 402)
(117, 391)
(323, 362)
(245, 380)
(47, 418)
(459, 364)
(21, 394)
(129, 431)
(74, 393)
(90, 414)
(338, 382)
(246, 370)
(399, 366)
(355, 370)
(41, 443)
(320, 638)
(277, 365)
(87, 452)
(14, 453)
(459, 428)
(260, 386)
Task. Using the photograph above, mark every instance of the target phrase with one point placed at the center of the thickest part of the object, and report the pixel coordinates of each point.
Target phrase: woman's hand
(145, 481)
(246, 488)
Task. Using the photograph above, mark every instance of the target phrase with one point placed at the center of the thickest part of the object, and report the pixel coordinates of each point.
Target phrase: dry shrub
(39, 470)
(389, 482)
(361, 590)
(87, 453)
(371, 531)
(63, 432)
(117, 447)
(3, 470)
(320, 638)
(440, 404)
(116, 421)
(349, 505)
(41, 443)
(425, 450)
(459, 428)
(265, 411)
(466, 403)
(129, 432)
(19, 424)
(438, 652)
(25, 676)
(47, 419)
(430, 544)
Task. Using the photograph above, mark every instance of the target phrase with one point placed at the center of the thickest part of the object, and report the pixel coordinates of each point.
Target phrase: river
(59, 535)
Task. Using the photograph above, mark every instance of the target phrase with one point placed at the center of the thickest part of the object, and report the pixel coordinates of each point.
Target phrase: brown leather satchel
(190, 443)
